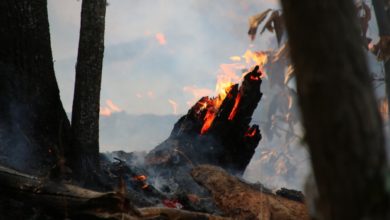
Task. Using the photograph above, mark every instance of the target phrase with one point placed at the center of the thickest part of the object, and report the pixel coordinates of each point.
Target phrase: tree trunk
(84, 155)
(383, 21)
(343, 126)
(33, 125)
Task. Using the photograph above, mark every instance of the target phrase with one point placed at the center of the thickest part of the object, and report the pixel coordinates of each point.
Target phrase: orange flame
(160, 37)
(140, 177)
(109, 108)
(234, 110)
(257, 57)
(225, 79)
(197, 93)
(208, 120)
(250, 133)
(112, 106)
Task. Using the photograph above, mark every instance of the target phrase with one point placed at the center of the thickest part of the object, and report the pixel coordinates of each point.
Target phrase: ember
(234, 110)
(140, 178)
(250, 133)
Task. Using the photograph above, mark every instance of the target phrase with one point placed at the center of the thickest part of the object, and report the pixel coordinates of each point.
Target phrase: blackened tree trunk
(382, 13)
(33, 125)
(343, 126)
(84, 155)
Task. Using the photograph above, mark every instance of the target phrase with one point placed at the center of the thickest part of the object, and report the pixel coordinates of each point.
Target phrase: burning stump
(215, 130)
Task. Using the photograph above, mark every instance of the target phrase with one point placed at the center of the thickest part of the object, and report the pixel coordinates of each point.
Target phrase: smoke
(155, 46)
(159, 50)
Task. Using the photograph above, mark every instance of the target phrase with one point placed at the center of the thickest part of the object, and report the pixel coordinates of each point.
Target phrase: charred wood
(215, 134)
(242, 201)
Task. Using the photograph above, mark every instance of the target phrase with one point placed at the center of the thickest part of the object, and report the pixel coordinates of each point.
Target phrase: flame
(235, 58)
(208, 120)
(234, 110)
(225, 79)
(112, 106)
(258, 57)
(197, 93)
(160, 37)
(212, 109)
(140, 177)
(174, 106)
(109, 108)
(250, 133)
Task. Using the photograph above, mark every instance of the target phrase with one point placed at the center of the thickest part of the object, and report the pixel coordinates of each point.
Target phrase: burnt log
(60, 200)
(56, 199)
(215, 130)
(240, 200)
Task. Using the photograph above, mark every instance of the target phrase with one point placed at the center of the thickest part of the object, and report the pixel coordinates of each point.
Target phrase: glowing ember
(174, 106)
(250, 133)
(234, 110)
(140, 177)
(160, 37)
(208, 120)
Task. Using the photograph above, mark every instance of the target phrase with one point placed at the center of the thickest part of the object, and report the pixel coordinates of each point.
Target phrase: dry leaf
(275, 23)
(255, 21)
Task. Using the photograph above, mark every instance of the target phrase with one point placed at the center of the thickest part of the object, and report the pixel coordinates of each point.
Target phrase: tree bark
(84, 156)
(343, 126)
(33, 124)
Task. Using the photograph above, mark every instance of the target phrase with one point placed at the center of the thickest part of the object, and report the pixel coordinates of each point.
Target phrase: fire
(160, 37)
(140, 177)
(109, 108)
(258, 57)
(112, 106)
(234, 110)
(235, 58)
(250, 133)
(197, 93)
(226, 78)
(174, 106)
(208, 120)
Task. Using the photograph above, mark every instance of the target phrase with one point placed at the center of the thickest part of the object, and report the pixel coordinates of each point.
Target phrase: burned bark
(34, 127)
(60, 200)
(343, 126)
(84, 155)
(56, 198)
(242, 201)
(219, 135)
